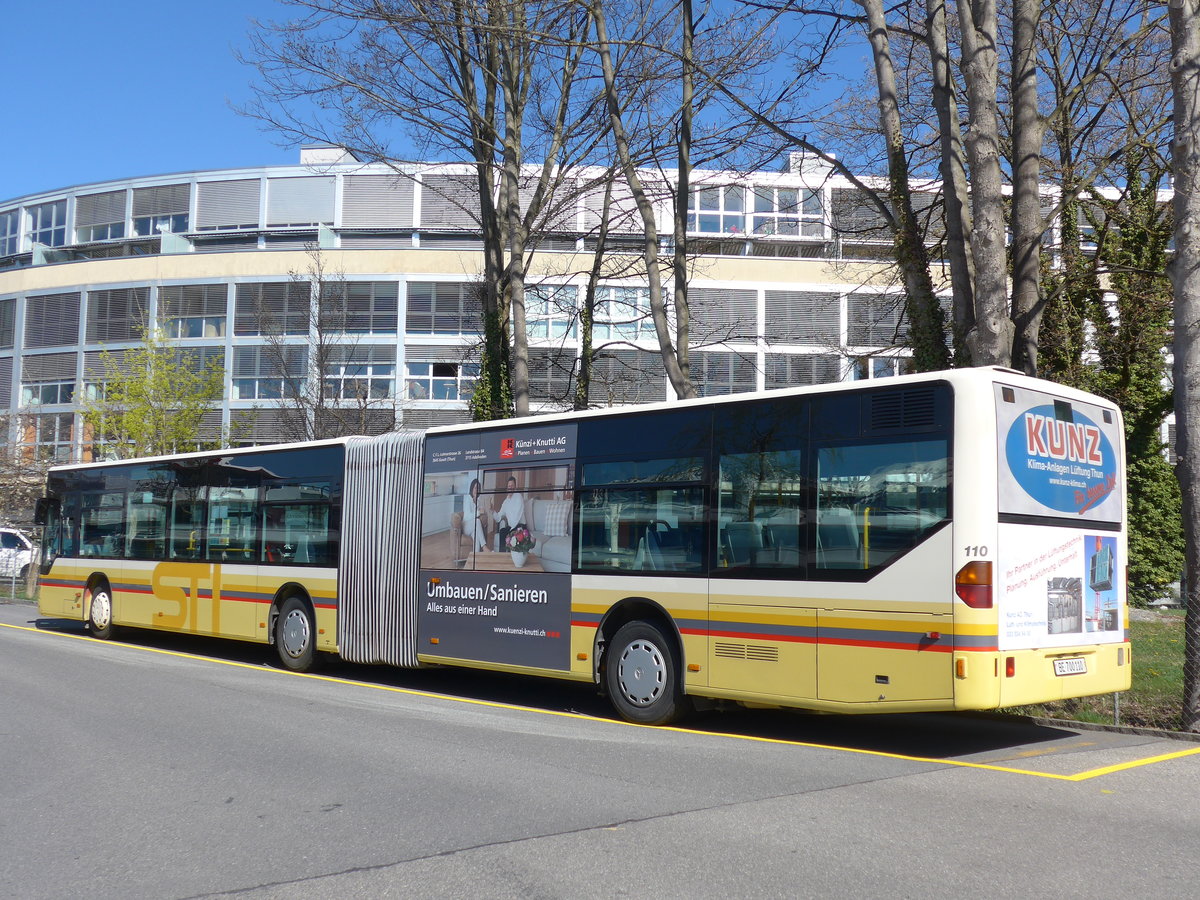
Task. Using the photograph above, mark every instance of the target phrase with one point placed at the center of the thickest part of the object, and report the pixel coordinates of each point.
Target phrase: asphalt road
(170, 767)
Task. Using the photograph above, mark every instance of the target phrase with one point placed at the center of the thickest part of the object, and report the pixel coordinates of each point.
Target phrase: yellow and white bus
(946, 541)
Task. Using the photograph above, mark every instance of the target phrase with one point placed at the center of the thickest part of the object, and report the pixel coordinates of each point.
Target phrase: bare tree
(22, 471)
(673, 353)
(330, 381)
(485, 83)
(1185, 279)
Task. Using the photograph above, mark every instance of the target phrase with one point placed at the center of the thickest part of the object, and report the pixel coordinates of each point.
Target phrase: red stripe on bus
(887, 645)
(755, 636)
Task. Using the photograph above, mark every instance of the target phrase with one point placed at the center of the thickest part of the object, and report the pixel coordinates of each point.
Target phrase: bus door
(761, 629)
(883, 545)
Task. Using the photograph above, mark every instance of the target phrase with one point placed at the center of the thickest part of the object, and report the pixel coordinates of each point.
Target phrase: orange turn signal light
(973, 584)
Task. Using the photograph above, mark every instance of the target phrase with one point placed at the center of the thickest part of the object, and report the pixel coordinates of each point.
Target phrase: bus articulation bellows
(946, 541)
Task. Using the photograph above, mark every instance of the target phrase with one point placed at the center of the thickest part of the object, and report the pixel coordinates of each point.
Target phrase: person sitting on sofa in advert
(539, 500)
(512, 512)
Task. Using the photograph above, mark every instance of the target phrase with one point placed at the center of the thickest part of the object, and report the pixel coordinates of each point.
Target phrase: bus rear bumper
(1022, 677)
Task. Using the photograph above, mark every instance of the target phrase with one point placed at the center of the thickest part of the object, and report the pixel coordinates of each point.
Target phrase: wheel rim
(294, 634)
(642, 673)
(101, 610)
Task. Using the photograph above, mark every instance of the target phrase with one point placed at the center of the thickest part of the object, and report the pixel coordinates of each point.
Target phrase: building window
(550, 311)
(108, 232)
(360, 307)
(362, 373)
(148, 226)
(268, 373)
(193, 310)
(875, 320)
(47, 393)
(48, 223)
(160, 208)
(280, 307)
(440, 380)
(100, 217)
(444, 308)
(785, 370)
(717, 210)
(10, 232)
(360, 381)
(787, 212)
(724, 373)
(196, 327)
(865, 367)
(8, 311)
(622, 314)
(117, 315)
(51, 435)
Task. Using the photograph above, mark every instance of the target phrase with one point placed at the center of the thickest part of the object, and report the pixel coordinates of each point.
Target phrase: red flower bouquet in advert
(520, 540)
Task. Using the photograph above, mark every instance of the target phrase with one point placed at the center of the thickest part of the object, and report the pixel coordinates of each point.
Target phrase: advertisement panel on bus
(496, 545)
(1060, 496)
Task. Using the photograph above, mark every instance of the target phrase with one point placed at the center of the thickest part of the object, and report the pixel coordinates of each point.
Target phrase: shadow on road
(927, 735)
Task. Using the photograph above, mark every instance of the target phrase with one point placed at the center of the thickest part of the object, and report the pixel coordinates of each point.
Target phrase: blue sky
(116, 89)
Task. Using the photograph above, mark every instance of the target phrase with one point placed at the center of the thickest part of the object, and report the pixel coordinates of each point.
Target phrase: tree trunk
(583, 380)
(955, 189)
(925, 319)
(679, 380)
(1026, 166)
(990, 341)
(1185, 279)
(683, 188)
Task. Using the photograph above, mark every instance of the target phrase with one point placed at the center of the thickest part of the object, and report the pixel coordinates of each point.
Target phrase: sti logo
(508, 448)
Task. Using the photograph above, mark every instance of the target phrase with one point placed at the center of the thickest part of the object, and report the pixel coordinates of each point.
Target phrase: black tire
(295, 636)
(100, 612)
(641, 673)
(23, 576)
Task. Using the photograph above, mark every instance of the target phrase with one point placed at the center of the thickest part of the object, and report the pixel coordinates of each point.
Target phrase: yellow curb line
(493, 704)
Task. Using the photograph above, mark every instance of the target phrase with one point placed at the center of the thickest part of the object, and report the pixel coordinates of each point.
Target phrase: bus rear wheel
(642, 675)
(100, 621)
(295, 635)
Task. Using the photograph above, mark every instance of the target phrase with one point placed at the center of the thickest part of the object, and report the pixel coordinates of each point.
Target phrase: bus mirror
(45, 511)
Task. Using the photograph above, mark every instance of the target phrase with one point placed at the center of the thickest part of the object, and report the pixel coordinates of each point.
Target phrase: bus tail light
(1010, 666)
(973, 584)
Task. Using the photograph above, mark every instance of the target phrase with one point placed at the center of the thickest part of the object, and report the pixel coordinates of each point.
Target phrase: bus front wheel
(295, 635)
(100, 622)
(642, 675)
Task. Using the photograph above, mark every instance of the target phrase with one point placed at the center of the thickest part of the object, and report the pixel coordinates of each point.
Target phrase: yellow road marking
(494, 704)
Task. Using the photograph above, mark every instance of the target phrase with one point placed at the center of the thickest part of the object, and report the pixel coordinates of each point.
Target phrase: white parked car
(16, 553)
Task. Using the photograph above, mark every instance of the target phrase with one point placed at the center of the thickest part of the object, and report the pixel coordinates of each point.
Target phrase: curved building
(790, 286)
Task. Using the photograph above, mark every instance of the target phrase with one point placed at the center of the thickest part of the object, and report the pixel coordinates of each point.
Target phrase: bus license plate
(1074, 665)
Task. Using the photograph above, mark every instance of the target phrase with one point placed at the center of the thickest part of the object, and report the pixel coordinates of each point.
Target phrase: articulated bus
(946, 541)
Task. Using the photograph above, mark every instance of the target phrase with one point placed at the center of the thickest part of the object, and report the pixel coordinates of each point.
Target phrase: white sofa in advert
(551, 528)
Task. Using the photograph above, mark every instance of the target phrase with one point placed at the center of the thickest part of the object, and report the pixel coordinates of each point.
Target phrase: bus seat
(785, 537)
(837, 537)
(649, 556)
(741, 540)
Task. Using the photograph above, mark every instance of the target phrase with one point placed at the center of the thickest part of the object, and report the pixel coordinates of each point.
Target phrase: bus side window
(296, 524)
(146, 529)
(231, 523)
(877, 501)
(187, 523)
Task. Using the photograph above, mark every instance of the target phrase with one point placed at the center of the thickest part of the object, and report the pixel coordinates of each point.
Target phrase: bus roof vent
(905, 410)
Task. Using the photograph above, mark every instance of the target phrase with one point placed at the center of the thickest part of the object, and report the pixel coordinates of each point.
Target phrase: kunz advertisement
(1058, 458)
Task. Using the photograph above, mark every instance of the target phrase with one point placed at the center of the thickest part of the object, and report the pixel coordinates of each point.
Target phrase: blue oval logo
(1065, 466)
